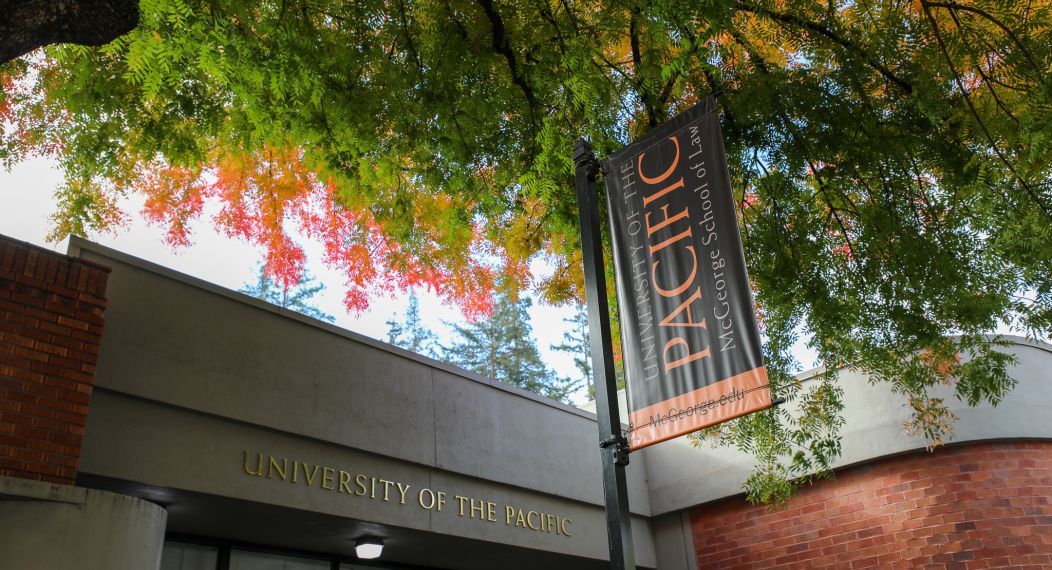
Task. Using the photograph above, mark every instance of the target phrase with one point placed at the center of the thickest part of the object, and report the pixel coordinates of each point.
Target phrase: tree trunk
(28, 24)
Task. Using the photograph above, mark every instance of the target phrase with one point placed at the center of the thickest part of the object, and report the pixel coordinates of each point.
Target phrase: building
(151, 419)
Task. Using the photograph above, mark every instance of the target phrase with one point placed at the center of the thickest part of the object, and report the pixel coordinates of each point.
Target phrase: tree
(501, 347)
(411, 334)
(576, 341)
(294, 297)
(891, 160)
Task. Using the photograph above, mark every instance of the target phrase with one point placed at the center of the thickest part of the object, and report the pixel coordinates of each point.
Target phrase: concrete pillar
(60, 527)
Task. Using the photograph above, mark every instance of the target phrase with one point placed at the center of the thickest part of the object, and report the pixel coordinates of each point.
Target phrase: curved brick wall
(984, 505)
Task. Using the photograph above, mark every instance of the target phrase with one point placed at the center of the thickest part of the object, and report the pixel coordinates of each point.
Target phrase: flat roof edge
(78, 245)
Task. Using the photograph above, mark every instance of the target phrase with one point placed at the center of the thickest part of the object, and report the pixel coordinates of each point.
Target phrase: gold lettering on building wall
(341, 481)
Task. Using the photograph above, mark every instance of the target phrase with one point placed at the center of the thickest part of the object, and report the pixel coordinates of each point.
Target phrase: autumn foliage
(891, 161)
(265, 197)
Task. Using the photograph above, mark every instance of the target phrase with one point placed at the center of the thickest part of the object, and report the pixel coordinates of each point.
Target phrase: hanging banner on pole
(691, 348)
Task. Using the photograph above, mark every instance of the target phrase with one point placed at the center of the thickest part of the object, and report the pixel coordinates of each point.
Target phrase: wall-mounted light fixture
(369, 548)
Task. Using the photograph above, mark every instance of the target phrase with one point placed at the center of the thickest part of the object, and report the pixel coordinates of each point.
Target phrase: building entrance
(202, 554)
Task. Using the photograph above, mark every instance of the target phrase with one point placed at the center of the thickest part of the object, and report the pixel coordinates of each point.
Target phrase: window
(184, 552)
(185, 556)
(247, 560)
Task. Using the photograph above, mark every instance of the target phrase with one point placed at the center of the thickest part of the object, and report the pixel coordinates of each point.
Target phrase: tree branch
(846, 43)
(637, 65)
(409, 38)
(1015, 39)
(986, 78)
(975, 113)
(29, 24)
(502, 46)
(791, 129)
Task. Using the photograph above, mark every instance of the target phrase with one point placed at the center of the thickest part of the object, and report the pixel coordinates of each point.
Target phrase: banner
(691, 348)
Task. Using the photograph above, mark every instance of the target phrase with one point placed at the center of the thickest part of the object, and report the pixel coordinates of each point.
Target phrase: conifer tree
(411, 334)
(501, 347)
(294, 298)
(576, 341)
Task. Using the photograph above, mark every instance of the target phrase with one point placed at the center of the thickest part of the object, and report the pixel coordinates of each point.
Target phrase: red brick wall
(983, 505)
(50, 325)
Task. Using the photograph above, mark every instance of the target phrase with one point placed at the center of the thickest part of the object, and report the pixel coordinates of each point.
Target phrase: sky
(27, 202)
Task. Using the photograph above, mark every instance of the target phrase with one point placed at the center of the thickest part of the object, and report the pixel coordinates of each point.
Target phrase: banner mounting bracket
(621, 451)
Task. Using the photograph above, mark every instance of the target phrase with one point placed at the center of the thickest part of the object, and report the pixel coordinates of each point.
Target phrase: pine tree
(295, 298)
(410, 333)
(501, 347)
(577, 342)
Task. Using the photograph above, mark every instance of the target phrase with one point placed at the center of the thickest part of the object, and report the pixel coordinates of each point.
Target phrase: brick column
(51, 308)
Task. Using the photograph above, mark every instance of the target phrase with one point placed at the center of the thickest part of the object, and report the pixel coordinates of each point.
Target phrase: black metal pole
(613, 447)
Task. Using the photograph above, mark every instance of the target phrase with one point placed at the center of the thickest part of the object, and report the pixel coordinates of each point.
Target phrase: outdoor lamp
(369, 548)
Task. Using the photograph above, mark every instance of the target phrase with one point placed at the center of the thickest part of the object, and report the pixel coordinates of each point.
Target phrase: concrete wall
(191, 374)
(59, 527)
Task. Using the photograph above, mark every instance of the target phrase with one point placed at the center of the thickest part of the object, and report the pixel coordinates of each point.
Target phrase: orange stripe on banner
(725, 400)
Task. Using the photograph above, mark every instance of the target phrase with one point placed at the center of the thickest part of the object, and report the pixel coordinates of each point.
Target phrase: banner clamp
(620, 445)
